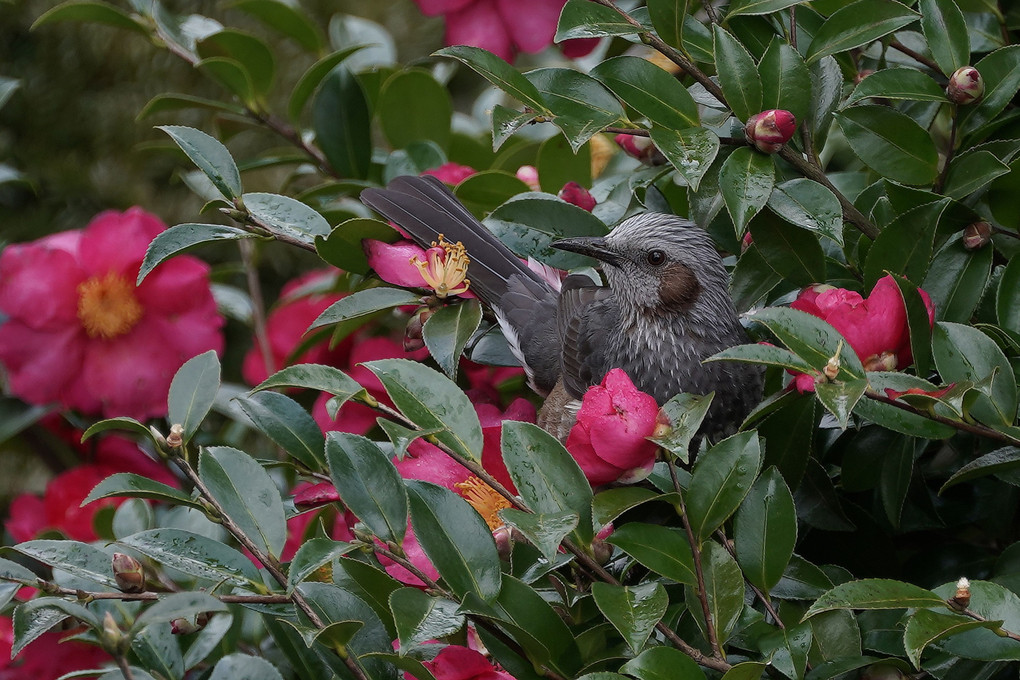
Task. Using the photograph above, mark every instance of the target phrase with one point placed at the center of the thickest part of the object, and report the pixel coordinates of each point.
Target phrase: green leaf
(157, 649)
(752, 280)
(428, 119)
(545, 532)
(840, 398)
(690, 151)
(826, 92)
(746, 180)
(342, 248)
(1007, 297)
(581, 105)
(177, 606)
(721, 479)
(314, 377)
(122, 423)
(250, 52)
(311, 78)
(724, 588)
(1001, 72)
(738, 75)
(247, 495)
(430, 400)
(663, 550)
(926, 627)
(809, 205)
(171, 101)
(668, 19)
(896, 419)
(334, 604)
(904, 246)
(196, 555)
(100, 12)
(972, 172)
(759, 6)
(965, 353)
(874, 593)
(1000, 460)
(232, 76)
(530, 223)
(288, 424)
(546, 476)
(810, 338)
(499, 73)
(35, 617)
(633, 610)
(421, 617)
(663, 663)
(685, 413)
(992, 602)
(78, 559)
(193, 391)
(898, 83)
(956, 279)
(364, 302)
(447, 332)
(858, 24)
(286, 18)
(890, 143)
(583, 19)
(794, 253)
(918, 324)
(748, 670)
(456, 539)
(945, 30)
(785, 79)
(286, 216)
(239, 665)
(609, 504)
(211, 157)
(767, 355)
(184, 237)
(12, 571)
(130, 485)
(894, 479)
(650, 91)
(342, 123)
(765, 530)
(368, 483)
(311, 556)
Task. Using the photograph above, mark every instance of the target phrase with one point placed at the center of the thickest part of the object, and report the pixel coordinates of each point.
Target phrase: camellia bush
(364, 493)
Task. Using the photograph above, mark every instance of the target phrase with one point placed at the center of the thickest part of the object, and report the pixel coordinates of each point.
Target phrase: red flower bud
(129, 573)
(572, 192)
(769, 130)
(633, 145)
(965, 86)
(977, 235)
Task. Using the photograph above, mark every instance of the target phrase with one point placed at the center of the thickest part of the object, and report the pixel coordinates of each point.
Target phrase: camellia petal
(48, 302)
(433, 7)
(481, 25)
(116, 242)
(392, 262)
(41, 366)
(531, 23)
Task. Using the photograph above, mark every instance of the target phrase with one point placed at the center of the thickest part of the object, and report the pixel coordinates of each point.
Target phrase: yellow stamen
(107, 306)
(484, 499)
(446, 267)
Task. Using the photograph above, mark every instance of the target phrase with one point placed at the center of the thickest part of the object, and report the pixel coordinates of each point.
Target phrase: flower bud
(637, 147)
(769, 130)
(129, 573)
(529, 175)
(977, 235)
(746, 242)
(572, 192)
(187, 626)
(112, 637)
(503, 536)
(886, 361)
(413, 339)
(176, 437)
(965, 86)
(961, 599)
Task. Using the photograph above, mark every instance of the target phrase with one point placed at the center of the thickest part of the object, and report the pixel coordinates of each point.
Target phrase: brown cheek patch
(678, 288)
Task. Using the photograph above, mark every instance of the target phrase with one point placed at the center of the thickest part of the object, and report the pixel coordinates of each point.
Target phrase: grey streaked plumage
(666, 307)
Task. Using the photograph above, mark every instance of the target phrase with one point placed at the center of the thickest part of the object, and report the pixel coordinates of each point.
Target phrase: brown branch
(125, 669)
(850, 212)
(916, 56)
(51, 588)
(287, 132)
(977, 617)
(258, 305)
(979, 430)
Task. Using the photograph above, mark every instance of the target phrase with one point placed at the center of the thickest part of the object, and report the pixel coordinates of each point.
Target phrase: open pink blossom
(81, 334)
(504, 27)
(609, 440)
(461, 663)
(875, 327)
(492, 419)
(286, 326)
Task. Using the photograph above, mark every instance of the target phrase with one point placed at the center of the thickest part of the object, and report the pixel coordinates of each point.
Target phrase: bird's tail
(425, 208)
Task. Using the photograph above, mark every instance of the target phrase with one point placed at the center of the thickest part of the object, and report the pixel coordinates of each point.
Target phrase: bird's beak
(592, 246)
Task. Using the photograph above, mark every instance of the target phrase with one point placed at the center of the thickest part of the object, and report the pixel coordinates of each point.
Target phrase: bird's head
(660, 264)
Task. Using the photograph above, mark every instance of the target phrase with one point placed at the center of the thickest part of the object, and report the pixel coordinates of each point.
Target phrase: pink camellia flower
(504, 27)
(875, 327)
(769, 130)
(442, 268)
(81, 334)
(286, 326)
(491, 418)
(609, 440)
(460, 663)
(451, 173)
(572, 192)
(48, 656)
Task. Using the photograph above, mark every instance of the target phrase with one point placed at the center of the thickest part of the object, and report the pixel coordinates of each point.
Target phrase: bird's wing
(586, 313)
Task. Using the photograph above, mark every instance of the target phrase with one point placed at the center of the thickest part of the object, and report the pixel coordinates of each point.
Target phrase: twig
(51, 588)
(979, 430)
(850, 212)
(977, 617)
(916, 56)
(288, 133)
(125, 669)
(762, 597)
(1005, 232)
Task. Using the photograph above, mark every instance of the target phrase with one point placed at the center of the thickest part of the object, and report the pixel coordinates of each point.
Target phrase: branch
(916, 56)
(850, 212)
(979, 430)
(51, 588)
(977, 617)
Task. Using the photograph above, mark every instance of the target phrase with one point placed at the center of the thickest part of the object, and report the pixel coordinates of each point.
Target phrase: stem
(51, 588)
(282, 129)
(125, 669)
(710, 11)
(793, 27)
(941, 181)
(977, 617)
(1005, 232)
(766, 602)
(258, 305)
(916, 56)
(979, 430)
(850, 212)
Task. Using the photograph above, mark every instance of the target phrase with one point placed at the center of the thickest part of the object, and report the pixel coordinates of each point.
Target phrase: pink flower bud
(316, 495)
(746, 242)
(977, 235)
(572, 192)
(529, 175)
(635, 146)
(965, 86)
(129, 573)
(769, 130)
(187, 626)
(451, 173)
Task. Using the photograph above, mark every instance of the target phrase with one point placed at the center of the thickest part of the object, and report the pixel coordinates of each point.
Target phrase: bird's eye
(655, 257)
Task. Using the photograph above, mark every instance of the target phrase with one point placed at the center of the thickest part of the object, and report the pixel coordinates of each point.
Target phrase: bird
(664, 309)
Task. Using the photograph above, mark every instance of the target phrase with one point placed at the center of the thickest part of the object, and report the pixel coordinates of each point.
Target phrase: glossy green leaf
(765, 530)
(810, 338)
(918, 324)
(157, 649)
(430, 400)
(926, 627)
(794, 253)
(956, 280)
(334, 604)
(184, 237)
(447, 332)
(35, 617)
(546, 476)
(826, 92)
(499, 73)
(965, 353)
(430, 116)
(311, 78)
(896, 419)
(894, 479)
(650, 91)
(365, 302)
(342, 123)
(12, 571)
(545, 532)
(421, 617)
(193, 391)
(668, 19)
(313, 377)
(581, 105)
(342, 247)
(746, 180)
(898, 83)
(177, 605)
(1007, 297)
(759, 6)
(840, 398)
(789, 432)
(633, 610)
(904, 246)
(945, 31)
(196, 555)
(130, 485)
(685, 413)
(689, 150)
(992, 602)
(78, 559)
(288, 19)
(810, 205)
(785, 79)
(247, 494)
(313, 555)
(583, 19)
(722, 477)
(250, 52)
(748, 670)
(972, 172)
(609, 504)
(724, 588)
(738, 75)
(232, 76)
(663, 663)
(239, 665)
(874, 593)
(767, 355)
(456, 540)
(288, 424)
(664, 550)
(752, 280)
(211, 157)
(1001, 460)
(858, 24)
(286, 216)
(368, 483)
(890, 142)
(100, 12)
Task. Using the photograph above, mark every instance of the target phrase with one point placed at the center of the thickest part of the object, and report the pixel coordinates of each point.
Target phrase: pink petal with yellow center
(392, 262)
